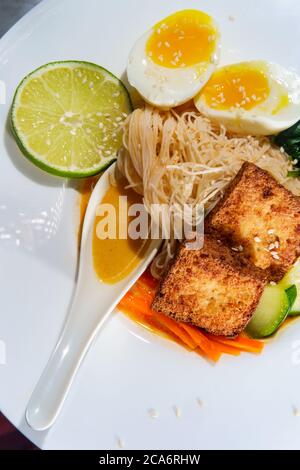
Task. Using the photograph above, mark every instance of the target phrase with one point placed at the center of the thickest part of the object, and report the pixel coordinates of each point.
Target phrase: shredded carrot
(205, 344)
(174, 326)
(225, 349)
(141, 292)
(137, 303)
(149, 280)
(134, 303)
(218, 346)
(241, 343)
(143, 287)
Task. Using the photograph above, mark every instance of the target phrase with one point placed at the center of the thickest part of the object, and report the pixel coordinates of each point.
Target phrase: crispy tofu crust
(263, 217)
(212, 288)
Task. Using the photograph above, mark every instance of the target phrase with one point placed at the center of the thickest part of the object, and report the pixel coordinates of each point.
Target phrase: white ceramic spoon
(92, 303)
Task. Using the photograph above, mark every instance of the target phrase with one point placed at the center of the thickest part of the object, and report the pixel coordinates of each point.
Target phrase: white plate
(247, 401)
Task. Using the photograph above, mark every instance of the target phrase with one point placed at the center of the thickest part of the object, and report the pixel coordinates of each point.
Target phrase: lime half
(67, 117)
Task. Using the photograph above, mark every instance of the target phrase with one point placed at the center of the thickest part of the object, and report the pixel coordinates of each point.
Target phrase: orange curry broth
(116, 256)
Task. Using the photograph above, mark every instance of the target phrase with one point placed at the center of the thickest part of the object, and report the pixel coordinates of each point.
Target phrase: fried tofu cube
(260, 215)
(213, 288)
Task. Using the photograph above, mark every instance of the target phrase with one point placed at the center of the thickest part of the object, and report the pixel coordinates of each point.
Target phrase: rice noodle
(183, 158)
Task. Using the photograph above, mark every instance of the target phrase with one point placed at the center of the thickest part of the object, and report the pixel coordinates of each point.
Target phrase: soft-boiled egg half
(255, 97)
(172, 62)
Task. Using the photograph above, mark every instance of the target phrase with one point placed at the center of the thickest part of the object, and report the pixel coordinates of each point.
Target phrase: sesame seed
(214, 59)
(153, 413)
(296, 411)
(235, 248)
(257, 240)
(120, 443)
(101, 125)
(167, 44)
(273, 283)
(177, 411)
(275, 255)
(199, 402)
(271, 231)
(281, 149)
(271, 246)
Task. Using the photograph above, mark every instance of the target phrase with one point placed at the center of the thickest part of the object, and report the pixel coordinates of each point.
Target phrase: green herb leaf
(294, 173)
(291, 293)
(290, 141)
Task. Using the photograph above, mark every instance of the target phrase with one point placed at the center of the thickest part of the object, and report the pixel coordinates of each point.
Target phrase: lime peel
(67, 117)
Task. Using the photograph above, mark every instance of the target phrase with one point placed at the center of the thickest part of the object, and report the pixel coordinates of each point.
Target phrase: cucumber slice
(273, 307)
(293, 277)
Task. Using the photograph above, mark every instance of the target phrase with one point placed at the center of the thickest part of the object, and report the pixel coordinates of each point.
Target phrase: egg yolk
(236, 86)
(183, 39)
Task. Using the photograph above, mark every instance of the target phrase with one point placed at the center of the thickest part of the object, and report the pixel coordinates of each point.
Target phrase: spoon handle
(76, 337)
(88, 312)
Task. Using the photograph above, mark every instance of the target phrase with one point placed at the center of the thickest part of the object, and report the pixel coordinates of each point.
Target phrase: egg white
(167, 87)
(259, 120)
